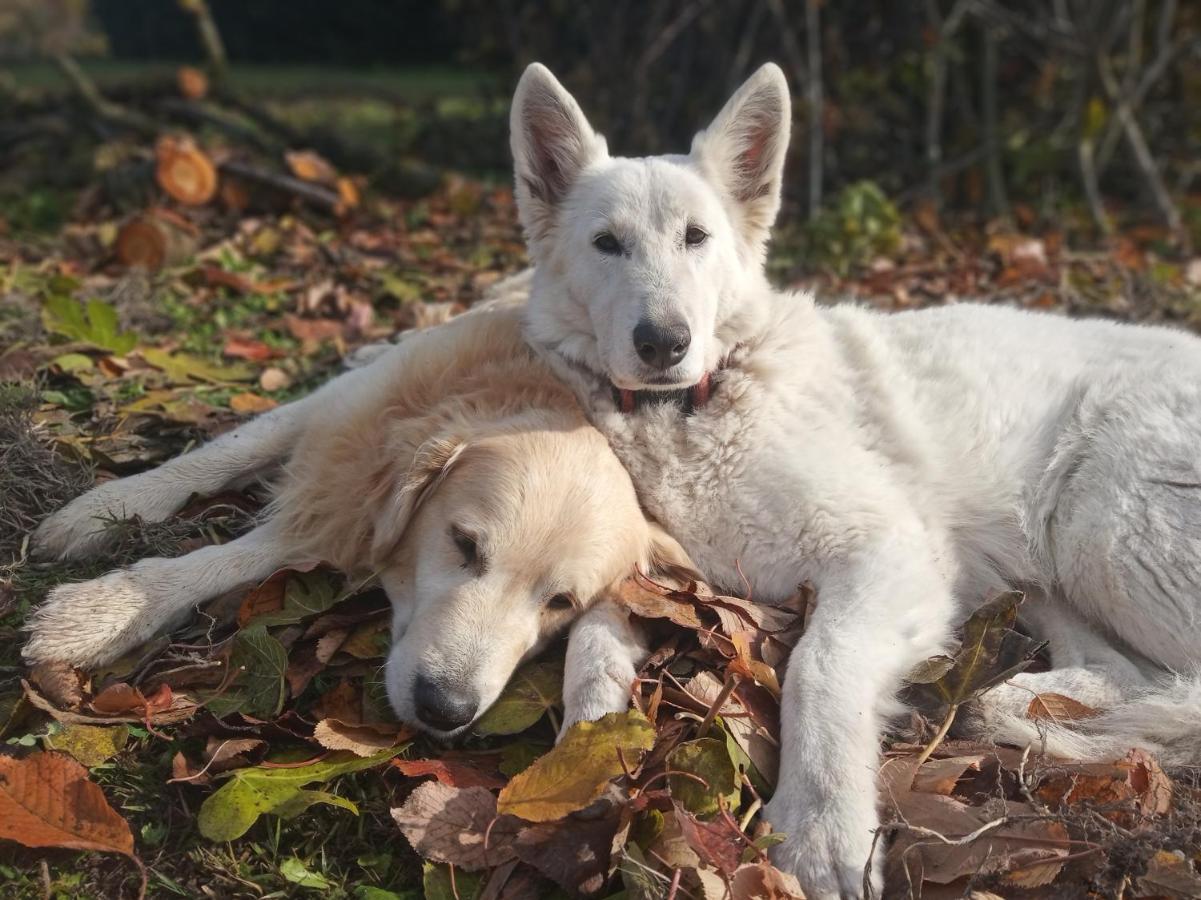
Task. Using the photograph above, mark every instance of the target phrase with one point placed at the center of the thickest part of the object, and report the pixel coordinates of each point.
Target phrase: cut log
(309, 166)
(185, 172)
(155, 239)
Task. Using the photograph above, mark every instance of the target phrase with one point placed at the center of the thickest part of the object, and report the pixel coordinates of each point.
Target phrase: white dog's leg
(886, 608)
(604, 651)
(93, 622)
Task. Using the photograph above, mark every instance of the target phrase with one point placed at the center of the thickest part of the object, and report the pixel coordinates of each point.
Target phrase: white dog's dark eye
(560, 603)
(607, 244)
(694, 236)
(467, 546)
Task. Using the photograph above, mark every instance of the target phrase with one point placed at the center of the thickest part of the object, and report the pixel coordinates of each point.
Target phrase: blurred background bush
(1023, 108)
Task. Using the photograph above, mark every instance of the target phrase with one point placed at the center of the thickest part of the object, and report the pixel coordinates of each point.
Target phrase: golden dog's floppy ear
(667, 557)
(432, 462)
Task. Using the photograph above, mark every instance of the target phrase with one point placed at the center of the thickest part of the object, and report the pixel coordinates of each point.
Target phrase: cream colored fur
(458, 427)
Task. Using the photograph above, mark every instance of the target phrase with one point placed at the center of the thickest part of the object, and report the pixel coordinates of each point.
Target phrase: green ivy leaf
(228, 813)
(258, 663)
(95, 324)
(708, 760)
(298, 873)
(529, 694)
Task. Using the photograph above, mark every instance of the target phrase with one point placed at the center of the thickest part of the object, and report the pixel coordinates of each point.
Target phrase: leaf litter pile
(252, 752)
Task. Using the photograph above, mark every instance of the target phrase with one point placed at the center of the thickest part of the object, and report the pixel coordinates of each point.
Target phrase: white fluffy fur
(907, 465)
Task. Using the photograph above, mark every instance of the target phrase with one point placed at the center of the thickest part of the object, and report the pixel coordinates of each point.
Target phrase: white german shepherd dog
(908, 465)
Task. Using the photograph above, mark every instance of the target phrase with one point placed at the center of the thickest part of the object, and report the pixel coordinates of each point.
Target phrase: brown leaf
(457, 826)
(265, 598)
(577, 854)
(718, 843)
(939, 776)
(220, 755)
(179, 709)
(750, 715)
(123, 698)
(247, 403)
(644, 598)
(1169, 875)
(1003, 847)
(46, 800)
(1131, 787)
(248, 348)
(312, 332)
(60, 682)
(1058, 708)
(343, 702)
(763, 881)
(455, 773)
(361, 740)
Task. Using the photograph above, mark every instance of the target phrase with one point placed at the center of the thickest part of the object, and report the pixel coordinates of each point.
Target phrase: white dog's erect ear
(431, 464)
(743, 149)
(551, 141)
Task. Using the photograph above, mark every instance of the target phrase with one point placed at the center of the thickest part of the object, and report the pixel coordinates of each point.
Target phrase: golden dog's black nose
(442, 707)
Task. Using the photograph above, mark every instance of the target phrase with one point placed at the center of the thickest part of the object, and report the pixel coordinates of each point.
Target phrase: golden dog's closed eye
(468, 546)
(564, 602)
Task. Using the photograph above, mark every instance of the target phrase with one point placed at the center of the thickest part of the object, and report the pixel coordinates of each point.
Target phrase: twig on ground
(97, 104)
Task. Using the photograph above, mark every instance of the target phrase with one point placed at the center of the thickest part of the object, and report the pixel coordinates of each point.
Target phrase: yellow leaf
(575, 772)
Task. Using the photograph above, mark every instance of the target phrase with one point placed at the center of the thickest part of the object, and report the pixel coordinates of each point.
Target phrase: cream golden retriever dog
(456, 468)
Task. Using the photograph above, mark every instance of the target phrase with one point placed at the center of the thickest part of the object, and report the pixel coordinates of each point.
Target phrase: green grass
(408, 84)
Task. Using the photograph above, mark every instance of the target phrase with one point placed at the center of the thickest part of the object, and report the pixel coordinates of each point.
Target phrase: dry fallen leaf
(576, 771)
(762, 881)
(361, 740)
(1129, 788)
(1058, 708)
(457, 825)
(247, 404)
(1169, 875)
(1034, 847)
(46, 800)
(939, 776)
(455, 773)
(60, 682)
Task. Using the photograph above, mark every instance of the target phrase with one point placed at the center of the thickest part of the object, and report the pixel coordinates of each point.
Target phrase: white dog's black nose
(442, 707)
(661, 346)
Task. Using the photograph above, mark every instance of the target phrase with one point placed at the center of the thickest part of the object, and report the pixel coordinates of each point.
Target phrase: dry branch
(306, 191)
(97, 104)
(210, 37)
(1142, 152)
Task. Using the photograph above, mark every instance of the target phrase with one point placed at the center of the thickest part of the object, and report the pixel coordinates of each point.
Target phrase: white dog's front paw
(602, 695)
(827, 851)
(93, 622)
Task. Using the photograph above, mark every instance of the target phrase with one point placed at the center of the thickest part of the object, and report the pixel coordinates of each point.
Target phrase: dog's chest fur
(836, 425)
